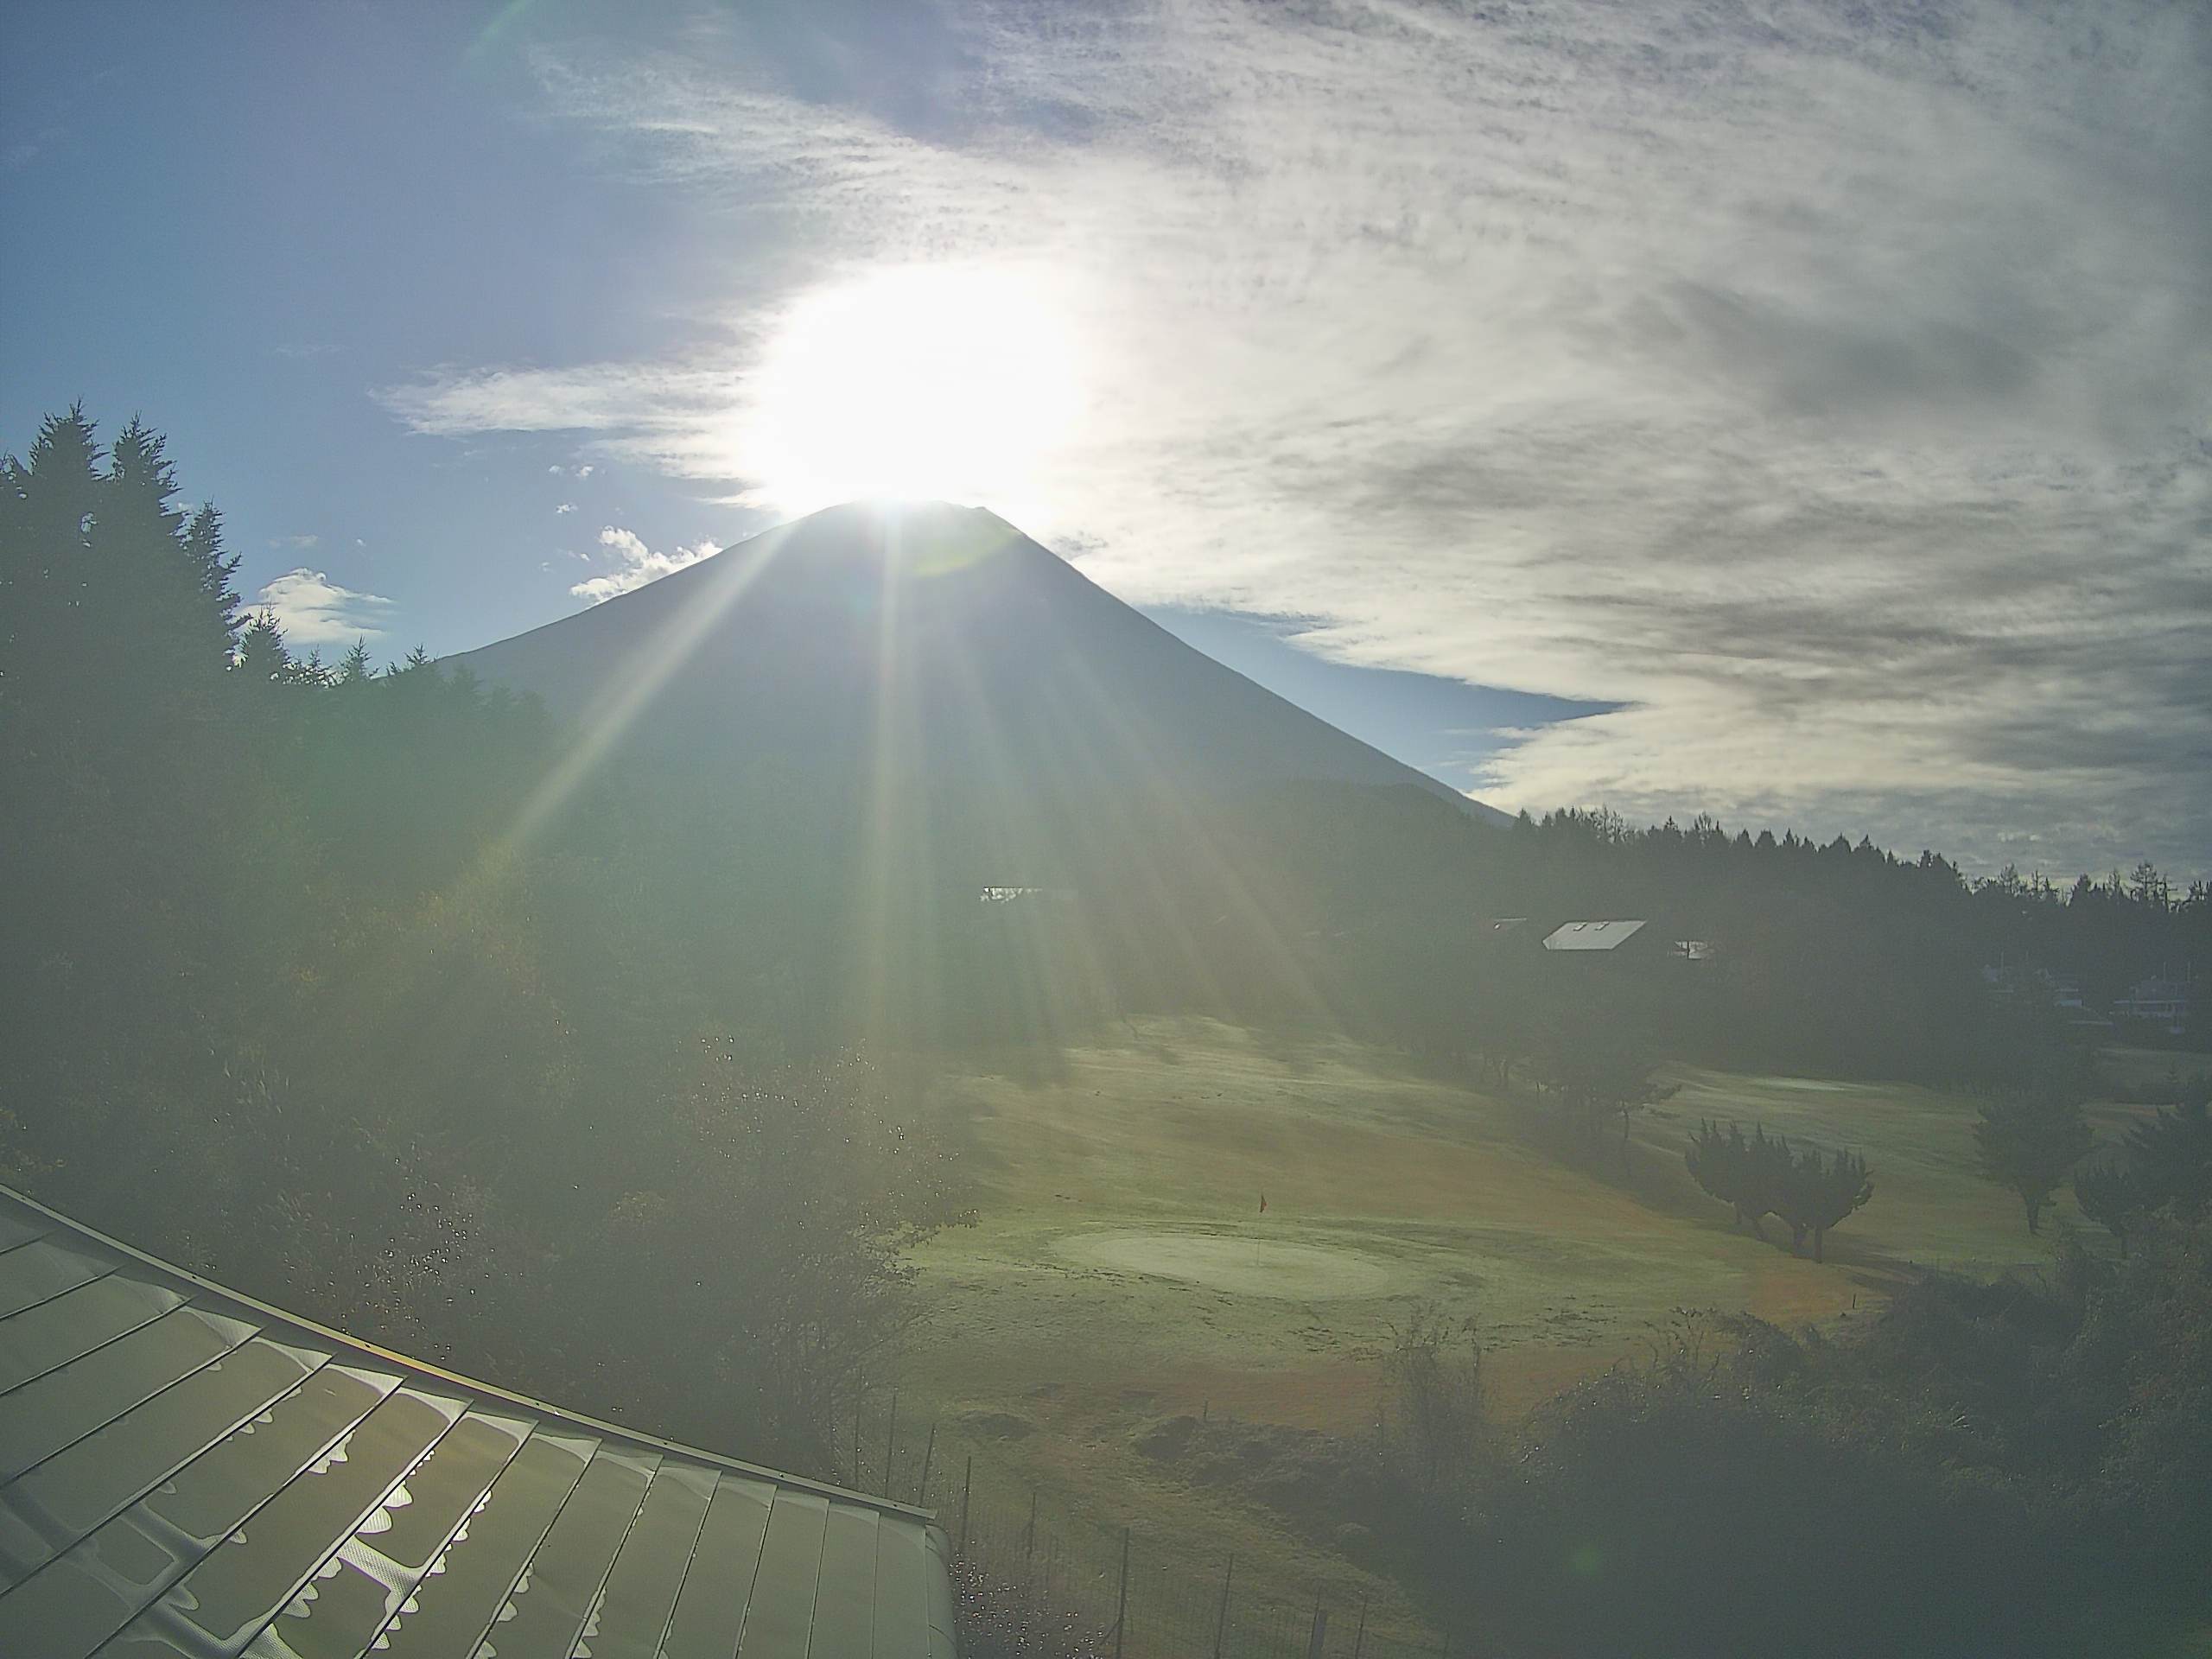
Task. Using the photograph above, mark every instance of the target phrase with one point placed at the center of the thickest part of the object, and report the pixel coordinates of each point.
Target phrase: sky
(1797, 412)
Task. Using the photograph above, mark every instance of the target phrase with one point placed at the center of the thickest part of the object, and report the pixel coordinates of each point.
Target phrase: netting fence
(1035, 1577)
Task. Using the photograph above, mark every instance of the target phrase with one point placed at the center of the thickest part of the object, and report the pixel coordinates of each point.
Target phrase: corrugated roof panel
(944, 1640)
(710, 1615)
(68, 1403)
(780, 1623)
(173, 1483)
(633, 1613)
(469, 1582)
(357, 1591)
(75, 1323)
(558, 1590)
(36, 1271)
(232, 1592)
(844, 1620)
(21, 1227)
(71, 1605)
(78, 1490)
(902, 1594)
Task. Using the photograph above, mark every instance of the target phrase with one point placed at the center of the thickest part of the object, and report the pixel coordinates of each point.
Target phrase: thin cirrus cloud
(1830, 389)
(635, 564)
(313, 610)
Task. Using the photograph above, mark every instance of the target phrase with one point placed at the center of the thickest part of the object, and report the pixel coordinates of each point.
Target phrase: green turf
(1122, 1268)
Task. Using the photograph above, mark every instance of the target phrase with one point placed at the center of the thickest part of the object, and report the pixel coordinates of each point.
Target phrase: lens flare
(950, 382)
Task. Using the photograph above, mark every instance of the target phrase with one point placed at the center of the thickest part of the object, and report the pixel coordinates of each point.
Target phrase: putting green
(1245, 1267)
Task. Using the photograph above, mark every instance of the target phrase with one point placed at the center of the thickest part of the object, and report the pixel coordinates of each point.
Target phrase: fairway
(1122, 1270)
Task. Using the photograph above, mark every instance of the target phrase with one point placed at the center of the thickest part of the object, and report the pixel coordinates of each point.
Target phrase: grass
(1122, 1269)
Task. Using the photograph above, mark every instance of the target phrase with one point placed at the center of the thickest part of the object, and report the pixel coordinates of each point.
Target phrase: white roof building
(1591, 936)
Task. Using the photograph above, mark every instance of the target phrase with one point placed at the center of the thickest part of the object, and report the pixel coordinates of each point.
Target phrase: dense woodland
(349, 984)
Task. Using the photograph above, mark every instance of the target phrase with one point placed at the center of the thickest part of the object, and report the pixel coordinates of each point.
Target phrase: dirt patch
(1244, 1267)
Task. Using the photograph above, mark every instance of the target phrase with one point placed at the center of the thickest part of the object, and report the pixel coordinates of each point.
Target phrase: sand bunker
(1250, 1267)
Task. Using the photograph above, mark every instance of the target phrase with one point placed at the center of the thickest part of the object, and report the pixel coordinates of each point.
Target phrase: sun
(955, 382)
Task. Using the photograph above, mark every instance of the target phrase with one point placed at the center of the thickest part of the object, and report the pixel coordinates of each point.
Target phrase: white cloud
(636, 564)
(313, 610)
(566, 507)
(1833, 389)
(298, 543)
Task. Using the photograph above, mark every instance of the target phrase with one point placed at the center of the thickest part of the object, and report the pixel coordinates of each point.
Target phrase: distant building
(1591, 936)
(186, 1469)
(2012, 979)
(1694, 950)
(2160, 1001)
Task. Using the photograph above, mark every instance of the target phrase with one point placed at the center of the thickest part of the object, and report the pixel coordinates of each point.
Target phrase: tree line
(301, 989)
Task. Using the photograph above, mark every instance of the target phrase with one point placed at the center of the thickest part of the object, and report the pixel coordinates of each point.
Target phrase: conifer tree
(2111, 1193)
(2172, 1156)
(1823, 1192)
(2028, 1142)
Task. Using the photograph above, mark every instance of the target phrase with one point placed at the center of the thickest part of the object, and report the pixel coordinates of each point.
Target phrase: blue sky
(1796, 412)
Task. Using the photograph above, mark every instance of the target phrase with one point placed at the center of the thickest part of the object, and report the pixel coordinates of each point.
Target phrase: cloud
(1832, 389)
(298, 543)
(636, 564)
(313, 610)
(566, 507)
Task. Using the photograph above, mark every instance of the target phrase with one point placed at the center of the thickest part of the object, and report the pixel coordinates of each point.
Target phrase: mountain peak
(928, 642)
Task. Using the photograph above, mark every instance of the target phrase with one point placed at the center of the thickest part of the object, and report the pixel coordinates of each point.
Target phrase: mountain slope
(926, 648)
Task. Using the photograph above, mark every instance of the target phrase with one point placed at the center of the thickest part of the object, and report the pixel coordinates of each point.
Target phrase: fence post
(929, 1452)
(968, 1479)
(890, 1440)
(1221, 1619)
(1359, 1637)
(1122, 1601)
(1029, 1597)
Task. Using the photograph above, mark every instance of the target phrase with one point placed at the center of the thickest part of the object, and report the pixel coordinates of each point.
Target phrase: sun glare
(953, 382)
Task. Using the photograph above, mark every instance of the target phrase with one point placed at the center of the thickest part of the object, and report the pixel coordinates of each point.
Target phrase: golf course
(1122, 1270)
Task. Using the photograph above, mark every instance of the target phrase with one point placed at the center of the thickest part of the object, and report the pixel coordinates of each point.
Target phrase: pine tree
(2172, 1156)
(2029, 1142)
(1819, 1192)
(2112, 1194)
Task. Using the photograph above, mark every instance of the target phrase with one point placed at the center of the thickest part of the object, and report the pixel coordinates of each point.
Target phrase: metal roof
(185, 1470)
(1591, 936)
